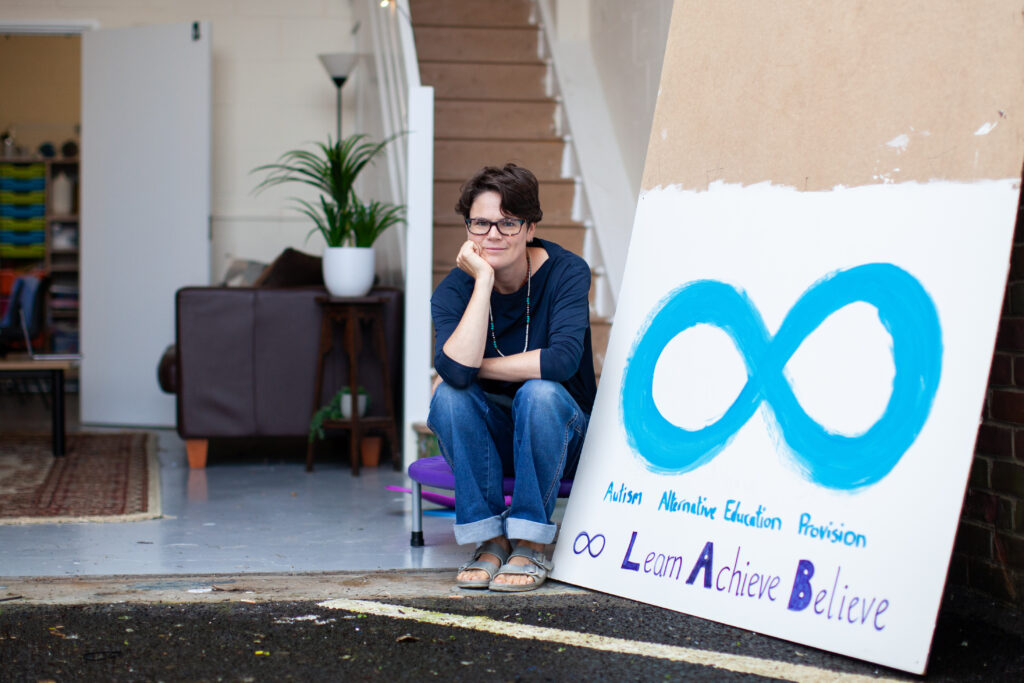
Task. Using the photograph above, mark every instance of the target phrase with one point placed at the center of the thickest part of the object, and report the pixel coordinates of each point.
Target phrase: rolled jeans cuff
(525, 530)
(480, 530)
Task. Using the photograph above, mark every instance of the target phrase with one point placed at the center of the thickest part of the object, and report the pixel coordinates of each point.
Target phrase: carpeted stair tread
(485, 81)
(461, 158)
(471, 13)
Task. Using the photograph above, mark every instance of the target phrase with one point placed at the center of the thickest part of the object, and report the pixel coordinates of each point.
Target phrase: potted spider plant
(340, 407)
(348, 225)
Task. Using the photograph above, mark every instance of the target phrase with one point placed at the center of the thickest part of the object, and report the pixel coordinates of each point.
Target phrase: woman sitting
(516, 378)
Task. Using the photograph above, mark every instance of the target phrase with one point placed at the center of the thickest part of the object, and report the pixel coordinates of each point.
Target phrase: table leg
(416, 540)
(57, 401)
(382, 352)
(352, 342)
(326, 342)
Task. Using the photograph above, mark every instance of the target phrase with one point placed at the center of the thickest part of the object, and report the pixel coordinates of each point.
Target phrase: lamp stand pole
(338, 82)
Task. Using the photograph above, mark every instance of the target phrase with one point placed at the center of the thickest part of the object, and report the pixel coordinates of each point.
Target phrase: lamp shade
(339, 65)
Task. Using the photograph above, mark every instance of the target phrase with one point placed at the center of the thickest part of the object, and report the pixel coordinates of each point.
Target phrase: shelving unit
(39, 235)
(62, 254)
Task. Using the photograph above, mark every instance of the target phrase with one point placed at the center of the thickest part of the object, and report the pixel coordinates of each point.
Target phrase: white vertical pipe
(407, 107)
(418, 278)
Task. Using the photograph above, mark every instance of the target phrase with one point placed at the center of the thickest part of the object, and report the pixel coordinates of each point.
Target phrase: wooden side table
(350, 312)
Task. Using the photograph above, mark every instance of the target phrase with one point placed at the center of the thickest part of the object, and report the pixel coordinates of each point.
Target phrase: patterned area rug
(105, 477)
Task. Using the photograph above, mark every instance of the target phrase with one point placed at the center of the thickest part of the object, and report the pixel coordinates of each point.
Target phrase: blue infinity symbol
(589, 544)
(828, 459)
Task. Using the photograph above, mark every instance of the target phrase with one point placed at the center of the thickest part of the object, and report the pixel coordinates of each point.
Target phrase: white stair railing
(391, 101)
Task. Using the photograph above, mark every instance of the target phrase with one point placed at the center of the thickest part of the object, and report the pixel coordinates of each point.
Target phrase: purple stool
(434, 471)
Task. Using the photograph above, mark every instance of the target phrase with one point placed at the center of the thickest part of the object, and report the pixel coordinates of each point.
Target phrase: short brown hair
(517, 187)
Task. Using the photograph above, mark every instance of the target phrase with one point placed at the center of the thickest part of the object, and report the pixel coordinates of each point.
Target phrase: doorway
(40, 116)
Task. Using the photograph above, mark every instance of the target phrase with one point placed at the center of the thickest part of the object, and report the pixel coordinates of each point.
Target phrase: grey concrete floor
(253, 509)
(254, 542)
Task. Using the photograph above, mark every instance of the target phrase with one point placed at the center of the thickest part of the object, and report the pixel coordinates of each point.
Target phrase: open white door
(145, 207)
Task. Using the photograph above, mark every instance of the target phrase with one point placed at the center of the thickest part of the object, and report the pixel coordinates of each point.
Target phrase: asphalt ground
(337, 627)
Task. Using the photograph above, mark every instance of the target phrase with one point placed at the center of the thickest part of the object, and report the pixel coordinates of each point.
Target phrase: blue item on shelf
(32, 237)
(22, 184)
(64, 341)
(23, 211)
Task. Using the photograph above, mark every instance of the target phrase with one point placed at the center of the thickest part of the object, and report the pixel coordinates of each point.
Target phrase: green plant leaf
(332, 411)
(369, 221)
(332, 169)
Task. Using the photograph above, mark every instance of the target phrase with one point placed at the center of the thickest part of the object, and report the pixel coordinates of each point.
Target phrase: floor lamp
(339, 66)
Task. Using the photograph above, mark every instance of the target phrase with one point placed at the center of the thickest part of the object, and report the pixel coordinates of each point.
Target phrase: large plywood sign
(786, 417)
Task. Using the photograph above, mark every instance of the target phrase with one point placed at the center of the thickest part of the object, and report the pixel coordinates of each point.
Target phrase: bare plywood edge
(820, 93)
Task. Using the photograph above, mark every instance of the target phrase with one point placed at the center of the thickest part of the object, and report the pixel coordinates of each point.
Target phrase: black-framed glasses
(509, 227)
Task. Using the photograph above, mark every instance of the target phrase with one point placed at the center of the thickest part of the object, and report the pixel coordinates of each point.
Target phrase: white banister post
(418, 268)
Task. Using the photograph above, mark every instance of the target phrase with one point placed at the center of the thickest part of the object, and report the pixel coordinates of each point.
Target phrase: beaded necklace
(490, 315)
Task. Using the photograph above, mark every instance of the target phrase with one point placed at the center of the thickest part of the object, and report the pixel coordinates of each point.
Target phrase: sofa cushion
(292, 268)
(243, 273)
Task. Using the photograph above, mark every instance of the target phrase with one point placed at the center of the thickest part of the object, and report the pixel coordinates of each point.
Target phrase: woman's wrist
(485, 279)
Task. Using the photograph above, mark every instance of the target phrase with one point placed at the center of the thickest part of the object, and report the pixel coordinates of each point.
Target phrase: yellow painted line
(718, 660)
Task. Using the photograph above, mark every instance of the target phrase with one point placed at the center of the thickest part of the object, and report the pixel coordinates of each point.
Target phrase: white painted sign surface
(789, 453)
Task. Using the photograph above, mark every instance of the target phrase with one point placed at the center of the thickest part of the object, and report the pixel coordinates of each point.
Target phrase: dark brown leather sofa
(244, 362)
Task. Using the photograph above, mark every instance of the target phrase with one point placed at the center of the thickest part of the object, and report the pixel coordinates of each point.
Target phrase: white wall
(628, 42)
(607, 58)
(270, 94)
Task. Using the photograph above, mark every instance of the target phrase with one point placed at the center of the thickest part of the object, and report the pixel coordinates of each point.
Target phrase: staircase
(493, 105)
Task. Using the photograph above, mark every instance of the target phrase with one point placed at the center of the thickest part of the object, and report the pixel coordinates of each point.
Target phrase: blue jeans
(536, 437)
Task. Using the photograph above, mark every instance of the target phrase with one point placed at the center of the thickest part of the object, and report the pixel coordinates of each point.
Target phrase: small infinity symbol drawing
(588, 544)
(828, 459)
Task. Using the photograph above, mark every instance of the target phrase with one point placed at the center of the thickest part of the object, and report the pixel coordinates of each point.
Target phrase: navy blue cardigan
(559, 325)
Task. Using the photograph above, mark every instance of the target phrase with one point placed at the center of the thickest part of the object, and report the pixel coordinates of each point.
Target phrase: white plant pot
(348, 271)
(346, 405)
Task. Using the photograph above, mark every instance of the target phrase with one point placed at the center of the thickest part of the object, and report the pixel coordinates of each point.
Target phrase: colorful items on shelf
(22, 184)
(39, 234)
(64, 237)
(22, 210)
(62, 194)
(7, 278)
(22, 170)
(64, 337)
(64, 297)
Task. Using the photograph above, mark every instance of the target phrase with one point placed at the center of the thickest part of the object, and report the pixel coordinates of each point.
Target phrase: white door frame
(48, 26)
